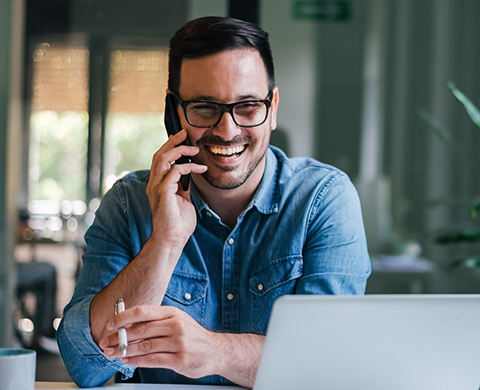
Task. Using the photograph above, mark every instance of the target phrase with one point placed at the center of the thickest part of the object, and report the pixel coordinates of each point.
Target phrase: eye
(202, 109)
(247, 108)
(247, 105)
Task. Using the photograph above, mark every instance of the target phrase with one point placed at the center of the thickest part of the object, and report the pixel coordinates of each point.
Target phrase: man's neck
(229, 204)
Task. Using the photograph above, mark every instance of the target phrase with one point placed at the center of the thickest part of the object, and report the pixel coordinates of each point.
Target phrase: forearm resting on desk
(241, 355)
(167, 337)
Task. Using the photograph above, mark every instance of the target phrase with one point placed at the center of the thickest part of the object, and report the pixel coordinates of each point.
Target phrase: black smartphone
(172, 124)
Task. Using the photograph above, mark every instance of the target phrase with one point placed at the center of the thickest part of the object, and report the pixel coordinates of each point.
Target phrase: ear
(273, 109)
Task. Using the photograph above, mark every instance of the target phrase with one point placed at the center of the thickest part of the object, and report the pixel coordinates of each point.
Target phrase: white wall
(200, 8)
(293, 48)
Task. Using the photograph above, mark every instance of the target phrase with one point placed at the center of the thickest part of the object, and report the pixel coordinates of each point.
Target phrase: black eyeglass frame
(225, 108)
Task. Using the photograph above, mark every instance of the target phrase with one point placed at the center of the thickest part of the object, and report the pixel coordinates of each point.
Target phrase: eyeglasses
(248, 113)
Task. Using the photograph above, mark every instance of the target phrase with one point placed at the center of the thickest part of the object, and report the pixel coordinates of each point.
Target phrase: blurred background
(363, 86)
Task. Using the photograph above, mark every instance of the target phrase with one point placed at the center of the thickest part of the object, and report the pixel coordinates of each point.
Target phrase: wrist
(166, 251)
(168, 242)
(237, 356)
(219, 347)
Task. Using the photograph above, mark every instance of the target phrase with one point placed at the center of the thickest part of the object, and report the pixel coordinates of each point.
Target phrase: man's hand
(162, 336)
(167, 337)
(173, 215)
(145, 279)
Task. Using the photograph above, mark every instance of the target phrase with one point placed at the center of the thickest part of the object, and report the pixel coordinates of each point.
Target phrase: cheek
(264, 136)
(193, 136)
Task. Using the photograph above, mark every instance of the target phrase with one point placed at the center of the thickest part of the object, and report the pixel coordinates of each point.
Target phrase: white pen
(122, 332)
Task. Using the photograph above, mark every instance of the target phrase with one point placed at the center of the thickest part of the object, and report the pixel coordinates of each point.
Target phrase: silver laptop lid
(373, 342)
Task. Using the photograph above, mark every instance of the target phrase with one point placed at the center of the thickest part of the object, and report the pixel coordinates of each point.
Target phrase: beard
(235, 180)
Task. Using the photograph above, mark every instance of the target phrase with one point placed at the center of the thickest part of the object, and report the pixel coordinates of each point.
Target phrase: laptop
(372, 342)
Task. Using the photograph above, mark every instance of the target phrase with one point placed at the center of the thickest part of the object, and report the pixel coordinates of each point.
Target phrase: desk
(400, 275)
(131, 386)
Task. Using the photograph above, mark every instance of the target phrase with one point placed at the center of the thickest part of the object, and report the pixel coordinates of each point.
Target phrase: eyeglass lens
(204, 114)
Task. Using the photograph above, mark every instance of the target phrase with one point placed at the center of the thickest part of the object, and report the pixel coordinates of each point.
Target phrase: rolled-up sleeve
(106, 255)
(85, 361)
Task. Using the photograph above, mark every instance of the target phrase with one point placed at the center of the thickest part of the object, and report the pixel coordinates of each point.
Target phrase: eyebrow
(212, 99)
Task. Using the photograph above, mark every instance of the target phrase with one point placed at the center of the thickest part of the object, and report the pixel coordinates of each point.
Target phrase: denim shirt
(301, 234)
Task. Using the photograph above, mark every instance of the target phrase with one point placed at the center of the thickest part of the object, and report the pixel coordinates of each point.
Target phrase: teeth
(225, 151)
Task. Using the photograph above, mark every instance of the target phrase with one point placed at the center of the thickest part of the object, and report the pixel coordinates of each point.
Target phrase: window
(134, 126)
(58, 123)
(59, 129)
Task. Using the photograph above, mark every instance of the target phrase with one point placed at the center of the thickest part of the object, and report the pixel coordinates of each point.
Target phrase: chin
(225, 183)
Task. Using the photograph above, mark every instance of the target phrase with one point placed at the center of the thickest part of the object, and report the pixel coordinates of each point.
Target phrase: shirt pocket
(276, 278)
(188, 293)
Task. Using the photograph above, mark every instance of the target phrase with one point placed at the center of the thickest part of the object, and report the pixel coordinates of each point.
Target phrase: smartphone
(172, 124)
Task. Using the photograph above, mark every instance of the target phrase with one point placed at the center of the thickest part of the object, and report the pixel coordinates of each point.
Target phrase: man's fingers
(140, 331)
(138, 322)
(145, 347)
(166, 338)
(162, 161)
(183, 169)
(174, 140)
(175, 154)
(169, 152)
(172, 177)
(164, 360)
(138, 314)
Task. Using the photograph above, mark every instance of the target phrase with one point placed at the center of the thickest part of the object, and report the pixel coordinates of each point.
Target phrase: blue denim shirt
(301, 234)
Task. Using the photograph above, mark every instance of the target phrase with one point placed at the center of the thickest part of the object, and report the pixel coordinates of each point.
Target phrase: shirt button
(231, 241)
(260, 287)
(187, 296)
(230, 296)
(209, 214)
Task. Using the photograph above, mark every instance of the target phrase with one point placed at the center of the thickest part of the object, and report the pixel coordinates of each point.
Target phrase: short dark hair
(213, 34)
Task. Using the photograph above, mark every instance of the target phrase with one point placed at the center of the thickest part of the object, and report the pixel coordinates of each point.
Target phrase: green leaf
(463, 235)
(440, 131)
(467, 262)
(472, 110)
(475, 207)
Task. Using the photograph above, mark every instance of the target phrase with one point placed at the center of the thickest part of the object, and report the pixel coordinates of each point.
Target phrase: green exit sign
(325, 11)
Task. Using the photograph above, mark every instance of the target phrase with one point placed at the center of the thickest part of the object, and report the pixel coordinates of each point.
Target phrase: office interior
(373, 87)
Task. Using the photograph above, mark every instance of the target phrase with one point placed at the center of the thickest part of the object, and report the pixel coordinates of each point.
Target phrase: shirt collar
(266, 198)
(197, 200)
(268, 194)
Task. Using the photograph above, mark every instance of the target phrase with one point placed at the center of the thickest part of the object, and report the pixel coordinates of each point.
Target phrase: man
(199, 270)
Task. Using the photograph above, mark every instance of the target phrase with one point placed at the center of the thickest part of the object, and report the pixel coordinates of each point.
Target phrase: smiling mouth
(226, 152)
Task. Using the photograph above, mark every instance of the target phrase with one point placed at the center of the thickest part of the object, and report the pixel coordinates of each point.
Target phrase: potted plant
(471, 233)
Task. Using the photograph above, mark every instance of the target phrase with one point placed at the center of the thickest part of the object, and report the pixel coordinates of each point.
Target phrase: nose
(226, 128)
